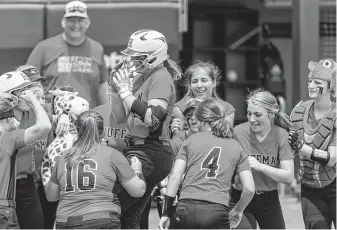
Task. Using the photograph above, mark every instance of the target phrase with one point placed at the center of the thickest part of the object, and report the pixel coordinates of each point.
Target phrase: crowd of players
(135, 137)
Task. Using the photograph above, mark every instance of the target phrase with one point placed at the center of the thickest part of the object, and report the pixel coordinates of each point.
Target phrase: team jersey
(211, 163)
(9, 144)
(91, 185)
(158, 84)
(113, 133)
(273, 149)
(62, 64)
(30, 156)
(227, 107)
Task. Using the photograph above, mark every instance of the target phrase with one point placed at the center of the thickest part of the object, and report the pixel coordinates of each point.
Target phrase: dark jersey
(273, 149)
(113, 133)
(90, 186)
(211, 163)
(158, 84)
(9, 145)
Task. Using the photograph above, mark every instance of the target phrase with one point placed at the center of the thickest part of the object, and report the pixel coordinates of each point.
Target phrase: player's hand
(164, 222)
(62, 125)
(176, 126)
(294, 141)
(122, 82)
(235, 218)
(136, 165)
(254, 164)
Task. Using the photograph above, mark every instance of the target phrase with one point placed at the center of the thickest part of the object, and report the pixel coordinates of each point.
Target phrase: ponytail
(282, 120)
(221, 128)
(173, 69)
(89, 127)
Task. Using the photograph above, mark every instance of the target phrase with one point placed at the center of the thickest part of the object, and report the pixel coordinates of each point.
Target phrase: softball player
(264, 138)
(314, 139)
(147, 105)
(84, 179)
(201, 79)
(12, 139)
(209, 160)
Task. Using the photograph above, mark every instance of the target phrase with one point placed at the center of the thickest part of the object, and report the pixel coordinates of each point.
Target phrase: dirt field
(290, 206)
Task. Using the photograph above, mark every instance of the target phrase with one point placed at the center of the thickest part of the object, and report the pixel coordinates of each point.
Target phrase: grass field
(290, 206)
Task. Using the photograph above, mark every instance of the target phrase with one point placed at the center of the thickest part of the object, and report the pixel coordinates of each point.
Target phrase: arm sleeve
(14, 140)
(284, 152)
(103, 70)
(36, 57)
(123, 169)
(161, 86)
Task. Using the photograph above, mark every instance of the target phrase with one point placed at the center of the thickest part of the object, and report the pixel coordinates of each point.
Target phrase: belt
(141, 141)
(260, 192)
(7, 203)
(89, 216)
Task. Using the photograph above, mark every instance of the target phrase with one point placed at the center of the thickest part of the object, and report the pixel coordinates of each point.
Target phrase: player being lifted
(146, 103)
(209, 160)
(314, 139)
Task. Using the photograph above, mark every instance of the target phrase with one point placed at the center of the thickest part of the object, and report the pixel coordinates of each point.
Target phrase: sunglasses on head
(76, 9)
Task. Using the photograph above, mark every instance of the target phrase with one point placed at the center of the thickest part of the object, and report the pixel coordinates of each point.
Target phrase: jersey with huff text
(113, 133)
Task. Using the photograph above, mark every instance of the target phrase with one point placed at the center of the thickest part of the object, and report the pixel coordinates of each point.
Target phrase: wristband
(320, 156)
(168, 206)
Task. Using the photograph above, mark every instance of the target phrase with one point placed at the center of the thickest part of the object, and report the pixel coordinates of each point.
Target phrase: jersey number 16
(85, 179)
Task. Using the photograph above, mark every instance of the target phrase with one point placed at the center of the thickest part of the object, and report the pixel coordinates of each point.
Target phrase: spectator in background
(71, 58)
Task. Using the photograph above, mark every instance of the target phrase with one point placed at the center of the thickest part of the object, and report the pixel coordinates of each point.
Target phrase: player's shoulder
(242, 129)
(281, 132)
(161, 74)
(102, 108)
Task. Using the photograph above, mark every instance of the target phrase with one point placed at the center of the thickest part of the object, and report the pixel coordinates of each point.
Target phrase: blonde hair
(211, 112)
(89, 127)
(265, 99)
(211, 70)
(6, 106)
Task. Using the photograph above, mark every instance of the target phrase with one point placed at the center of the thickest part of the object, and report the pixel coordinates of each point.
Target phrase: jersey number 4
(86, 178)
(211, 162)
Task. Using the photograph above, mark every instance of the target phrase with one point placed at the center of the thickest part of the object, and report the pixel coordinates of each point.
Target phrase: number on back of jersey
(211, 162)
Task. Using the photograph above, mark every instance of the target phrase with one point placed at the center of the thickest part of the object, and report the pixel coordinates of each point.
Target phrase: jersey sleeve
(229, 109)
(242, 161)
(161, 86)
(182, 154)
(284, 152)
(36, 57)
(14, 140)
(123, 169)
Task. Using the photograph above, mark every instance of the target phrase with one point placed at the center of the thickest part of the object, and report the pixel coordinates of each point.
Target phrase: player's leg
(48, 208)
(211, 216)
(157, 161)
(28, 206)
(331, 200)
(315, 209)
(269, 214)
(144, 222)
(184, 215)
